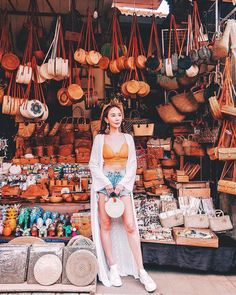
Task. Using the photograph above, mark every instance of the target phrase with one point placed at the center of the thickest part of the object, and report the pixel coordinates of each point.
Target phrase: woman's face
(114, 117)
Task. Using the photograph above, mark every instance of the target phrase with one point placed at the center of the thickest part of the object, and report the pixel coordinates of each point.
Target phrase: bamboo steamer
(141, 62)
(121, 62)
(215, 108)
(63, 97)
(80, 55)
(104, 63)
(124, 90)
(75, 92)
(93, 57)
(130, 63)
(113, 67)
(132, 86)
(144, 89)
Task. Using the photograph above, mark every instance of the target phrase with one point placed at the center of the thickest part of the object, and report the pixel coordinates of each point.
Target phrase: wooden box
(182, 178)
(199, 242)
(13, 263)
(199, 189)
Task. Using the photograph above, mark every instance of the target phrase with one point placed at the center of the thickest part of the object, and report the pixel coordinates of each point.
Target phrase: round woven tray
(81, 268)
(48, 269)
(27, 240)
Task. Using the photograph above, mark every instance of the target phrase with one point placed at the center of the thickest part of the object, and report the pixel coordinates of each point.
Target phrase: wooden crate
(199, 242)
(199, 189)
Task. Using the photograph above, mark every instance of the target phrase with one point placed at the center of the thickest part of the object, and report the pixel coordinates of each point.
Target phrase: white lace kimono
(120, 247)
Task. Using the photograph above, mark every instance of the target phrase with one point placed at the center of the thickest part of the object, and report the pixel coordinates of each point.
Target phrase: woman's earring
(107, 131)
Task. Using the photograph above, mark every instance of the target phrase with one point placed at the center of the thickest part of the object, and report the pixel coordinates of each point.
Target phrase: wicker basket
(169, 114)
(185, 102)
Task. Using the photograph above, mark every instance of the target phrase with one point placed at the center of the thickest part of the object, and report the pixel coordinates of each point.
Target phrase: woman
(113, 168)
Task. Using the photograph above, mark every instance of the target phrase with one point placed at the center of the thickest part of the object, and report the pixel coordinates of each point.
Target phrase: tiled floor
(177, 283)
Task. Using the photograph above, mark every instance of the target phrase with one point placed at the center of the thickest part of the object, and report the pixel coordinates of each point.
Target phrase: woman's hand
(119, 188)
(109, 189)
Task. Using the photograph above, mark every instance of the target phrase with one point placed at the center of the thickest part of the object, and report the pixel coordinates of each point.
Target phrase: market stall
(175, 83)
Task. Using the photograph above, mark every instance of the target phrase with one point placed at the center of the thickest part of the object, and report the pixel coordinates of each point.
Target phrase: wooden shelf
(60, 288)
(158, 242)
(46, 239)
(60, 207)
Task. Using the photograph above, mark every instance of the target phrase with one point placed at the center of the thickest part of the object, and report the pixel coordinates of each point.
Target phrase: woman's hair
(105, 115)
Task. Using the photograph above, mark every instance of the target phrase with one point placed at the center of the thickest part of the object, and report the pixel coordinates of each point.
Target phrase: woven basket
(215, 108)
(95, 127)
(184, 102)
(168, 83)
(129, 122)
(169, 114)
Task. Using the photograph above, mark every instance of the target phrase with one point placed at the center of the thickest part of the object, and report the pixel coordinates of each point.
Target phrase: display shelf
(46, 239)
(60, 288)
(60, 207)
(158, 242)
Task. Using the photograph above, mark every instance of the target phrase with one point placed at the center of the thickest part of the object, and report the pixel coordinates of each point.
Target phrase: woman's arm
(131, 167)
(99, 179)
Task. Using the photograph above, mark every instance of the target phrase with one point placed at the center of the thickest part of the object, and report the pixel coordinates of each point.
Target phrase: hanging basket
(184, 102)
(168, 83)
(169, 114)
(215, 108)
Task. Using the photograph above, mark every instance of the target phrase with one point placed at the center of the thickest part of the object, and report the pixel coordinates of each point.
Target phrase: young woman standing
(113, 167)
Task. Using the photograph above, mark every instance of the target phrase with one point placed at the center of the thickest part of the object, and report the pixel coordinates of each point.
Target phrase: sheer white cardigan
(120, 247)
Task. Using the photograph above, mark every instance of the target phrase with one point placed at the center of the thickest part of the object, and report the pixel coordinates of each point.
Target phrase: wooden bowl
(55, 199)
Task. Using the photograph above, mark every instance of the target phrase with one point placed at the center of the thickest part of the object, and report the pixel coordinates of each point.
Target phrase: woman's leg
(105, 225)
(132, 233)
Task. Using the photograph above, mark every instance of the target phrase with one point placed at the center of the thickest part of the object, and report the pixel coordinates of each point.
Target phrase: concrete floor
(177, 282)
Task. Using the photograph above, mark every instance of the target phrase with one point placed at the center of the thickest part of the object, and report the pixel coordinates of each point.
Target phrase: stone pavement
(176, 282)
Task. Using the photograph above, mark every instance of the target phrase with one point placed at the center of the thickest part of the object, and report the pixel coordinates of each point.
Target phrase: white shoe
(114, 276)
(147, 281)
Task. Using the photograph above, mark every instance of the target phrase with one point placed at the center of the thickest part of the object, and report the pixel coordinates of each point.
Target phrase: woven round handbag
(114, 207)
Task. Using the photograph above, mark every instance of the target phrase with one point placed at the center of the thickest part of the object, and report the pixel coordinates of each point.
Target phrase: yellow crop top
(113, 158)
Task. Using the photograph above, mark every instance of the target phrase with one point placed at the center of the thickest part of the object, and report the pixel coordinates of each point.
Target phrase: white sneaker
(114, 276)
(147, 281)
